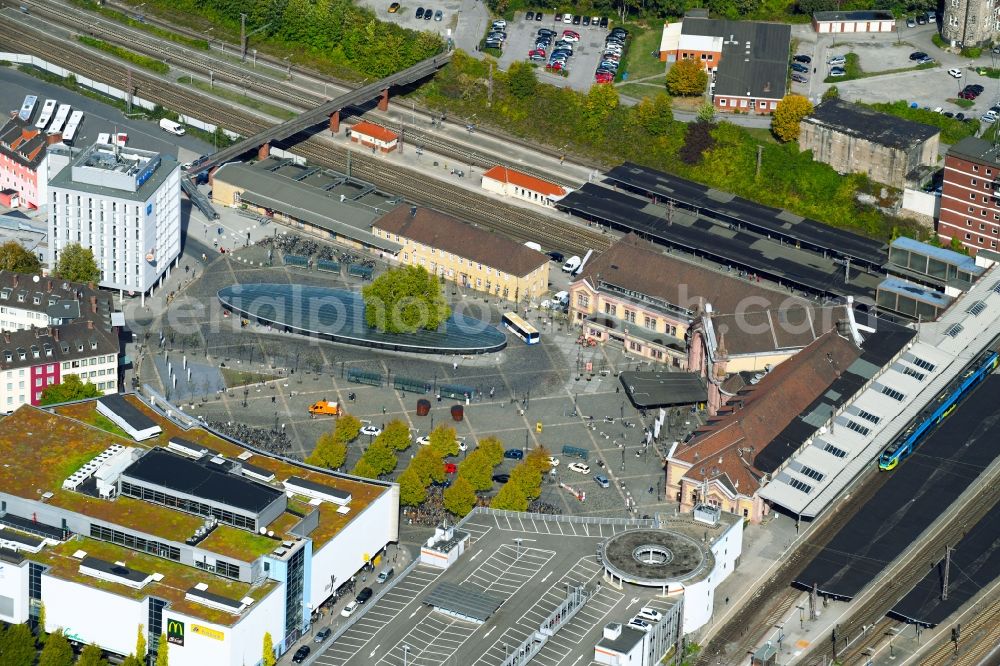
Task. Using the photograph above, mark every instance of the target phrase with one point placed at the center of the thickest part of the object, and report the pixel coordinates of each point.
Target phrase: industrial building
(122, 203)
(970, 214)
(185, 533)
(854, 139)
(853, 21)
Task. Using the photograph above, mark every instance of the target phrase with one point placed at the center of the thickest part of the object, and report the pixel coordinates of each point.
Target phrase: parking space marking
(431, 642)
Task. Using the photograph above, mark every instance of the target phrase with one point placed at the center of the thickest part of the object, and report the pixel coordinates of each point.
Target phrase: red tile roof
(728, 444)
(374, 131)
(507, 175)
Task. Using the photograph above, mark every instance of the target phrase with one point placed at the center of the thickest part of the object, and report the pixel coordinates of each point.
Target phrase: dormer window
(93, 344)
(48, 352)
(34, 352)
(36, 300)
(21, 354)
(65, 348)
(8, 356)
(79, 347)
(5, 294)
(20, 298)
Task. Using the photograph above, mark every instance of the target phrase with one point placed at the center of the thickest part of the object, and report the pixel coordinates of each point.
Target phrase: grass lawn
(242, 377)
(761, 134)
(104, 423)
(962, 103)
(234, 96)
(638, 62)
(640, 90)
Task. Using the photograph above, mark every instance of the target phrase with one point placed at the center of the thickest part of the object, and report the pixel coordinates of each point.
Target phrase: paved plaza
(528, 396)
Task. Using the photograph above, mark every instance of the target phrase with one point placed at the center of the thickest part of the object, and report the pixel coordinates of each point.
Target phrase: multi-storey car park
(184, 532)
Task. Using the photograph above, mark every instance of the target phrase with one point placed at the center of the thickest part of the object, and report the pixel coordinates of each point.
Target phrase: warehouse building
(854, 139)
(856, 21)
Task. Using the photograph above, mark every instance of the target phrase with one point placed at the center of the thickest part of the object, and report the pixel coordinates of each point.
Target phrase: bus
(27, 107)
(521, 328)
(62, 115)
(72, 125)
(46, 116)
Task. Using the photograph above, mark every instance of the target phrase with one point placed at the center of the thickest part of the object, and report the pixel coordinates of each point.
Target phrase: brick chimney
(55, 333)
(48, 286)
(90, 325)
(93, 304)
(6, 337)
(53, 138)
(16, 280)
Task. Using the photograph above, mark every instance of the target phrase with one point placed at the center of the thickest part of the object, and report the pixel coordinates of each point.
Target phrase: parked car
(640, 624)
(586, 20)
(514, 454)
(428, 14)
(350, 609)
(798, 78)
(911, 22)
(538, 16)
(571, 36)
(556, 66)
(419, 13)
(556, 256)
(838, 71)
(364, 595)
(500, 23)
(918, 55)
(501, 478)
(545, 32)
(603, 77)
(649, 614)
(602, 481)
(595, 21)
(529, 16)
(554, 461)
(371, 430)
(837, 61)
(567, 18)
(438, 15)
(955, 72)
(450, 468)
(921, 19)
(959, 116)
(301, 654)
(619, 31)
(576, 20)
(384, 575)
(796, 67)
(803, 59)
(604, 21)
(976, 88)
(925, 61)
(537, 53)
(322, 635)
(393, 8)
(579, 467)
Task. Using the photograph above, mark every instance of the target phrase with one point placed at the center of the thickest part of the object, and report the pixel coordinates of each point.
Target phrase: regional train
(945, 403)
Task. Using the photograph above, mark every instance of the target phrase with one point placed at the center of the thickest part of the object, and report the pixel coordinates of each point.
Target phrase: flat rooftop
(919, 490)
(660, 388)
(54, 445)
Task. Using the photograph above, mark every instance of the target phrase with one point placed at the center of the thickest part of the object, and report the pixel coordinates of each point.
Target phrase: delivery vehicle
(171, 127)
(324, 408)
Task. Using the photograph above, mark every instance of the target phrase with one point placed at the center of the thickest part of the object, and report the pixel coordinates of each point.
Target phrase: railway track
(904, 573)
(291, 95)
(980, 636)
(773, 598)
(511, 220)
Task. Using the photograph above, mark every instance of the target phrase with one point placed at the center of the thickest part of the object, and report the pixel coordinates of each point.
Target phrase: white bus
(521, 328)
(73, 125)
(62, 114)
(27, 107)
(46, 115)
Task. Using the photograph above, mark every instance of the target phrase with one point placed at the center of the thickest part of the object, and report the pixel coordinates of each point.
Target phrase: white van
(571, 264)
(171, 127)
(561, 298)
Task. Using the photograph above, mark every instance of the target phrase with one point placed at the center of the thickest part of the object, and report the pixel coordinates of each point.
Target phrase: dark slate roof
(975, 149)
(625, 642)
(660, 388)
(754, 55)
(126, 411)
(187, 476)
(21, 142)
(113, 569)
(863, 123)
(319, 487)
(233, 605)
(444, 232)
(854, 16)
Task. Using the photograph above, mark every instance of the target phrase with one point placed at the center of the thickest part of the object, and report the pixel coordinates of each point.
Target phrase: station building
(185, 533)
(511, 183)
(125, 205)
(465, 254)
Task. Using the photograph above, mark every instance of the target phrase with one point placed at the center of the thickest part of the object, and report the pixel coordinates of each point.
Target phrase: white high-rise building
(125, 205)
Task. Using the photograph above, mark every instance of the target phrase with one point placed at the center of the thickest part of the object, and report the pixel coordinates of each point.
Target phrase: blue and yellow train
(938, 410)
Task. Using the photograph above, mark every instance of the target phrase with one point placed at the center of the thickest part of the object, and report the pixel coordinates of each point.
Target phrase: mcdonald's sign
(175, 632)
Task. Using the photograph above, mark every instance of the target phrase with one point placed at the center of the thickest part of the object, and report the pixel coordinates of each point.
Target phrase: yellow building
(465, 254)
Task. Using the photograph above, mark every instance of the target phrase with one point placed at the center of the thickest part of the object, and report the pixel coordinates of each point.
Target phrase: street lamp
(406, 652)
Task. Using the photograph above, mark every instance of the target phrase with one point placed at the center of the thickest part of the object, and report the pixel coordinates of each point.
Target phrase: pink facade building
(23, 154)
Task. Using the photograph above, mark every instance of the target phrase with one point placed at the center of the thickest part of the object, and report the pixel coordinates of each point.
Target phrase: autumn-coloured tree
(786, 119)
(687, 78)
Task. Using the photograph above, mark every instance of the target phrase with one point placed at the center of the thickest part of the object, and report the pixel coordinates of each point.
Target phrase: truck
(324, 408)
(171, 127)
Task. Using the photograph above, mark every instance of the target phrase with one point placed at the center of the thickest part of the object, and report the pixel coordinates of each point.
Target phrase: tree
(521, 80)
(510, 498)
(162, 650)
(459, 498)
(41, 607)
(132, 660)
(13, 257)
(443, 441)
(528, 480)
(697, 139)
(329, 452)
(600, 103)
(267, 658)
(477, 470)
(405, 300)
(786, 119)
(71, 388)
(706, 113)
(687, 78)
(91, 656)
(57, 651)
(17, 646)
(492, 448)
(655, 114)
(140, 643)
(364, 469)
(830, 93)
(412, 492)
(347, 429)
(76, 263)
(381, 456)
(396, 435)
(427, 465)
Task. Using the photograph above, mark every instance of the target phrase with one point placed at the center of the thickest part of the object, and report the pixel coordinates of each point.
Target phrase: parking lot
(531, 577)
(521, 38)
